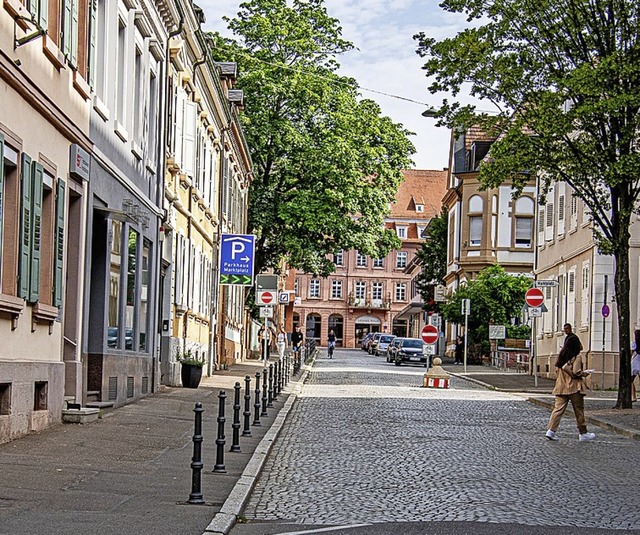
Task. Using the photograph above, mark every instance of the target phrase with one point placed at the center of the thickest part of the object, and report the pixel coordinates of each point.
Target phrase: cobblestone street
(365, 444)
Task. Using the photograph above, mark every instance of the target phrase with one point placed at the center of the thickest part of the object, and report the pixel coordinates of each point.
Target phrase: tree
(565, 77)
(496, 298)
(326, 163)
(432, 257)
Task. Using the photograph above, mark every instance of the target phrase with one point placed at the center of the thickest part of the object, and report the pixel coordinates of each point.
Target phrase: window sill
(42, 313)
(101, 108)
(136, 150)
(121, 132)
(81, 86)
(52, 52)
(17, 10)
(12, 305)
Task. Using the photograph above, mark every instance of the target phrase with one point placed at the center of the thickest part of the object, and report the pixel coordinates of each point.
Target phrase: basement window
(41, 394)
(5, 399)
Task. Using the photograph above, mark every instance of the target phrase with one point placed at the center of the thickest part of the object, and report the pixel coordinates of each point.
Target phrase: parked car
(364, 343)
(380, 346)
(372, 342)
(410, 350)
(392, 348)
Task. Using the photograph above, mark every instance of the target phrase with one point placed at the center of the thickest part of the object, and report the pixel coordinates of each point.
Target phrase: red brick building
(365, 294)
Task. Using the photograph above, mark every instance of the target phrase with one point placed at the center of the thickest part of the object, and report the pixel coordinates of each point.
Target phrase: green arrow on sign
(235, 279)
(246, 279)
(224, 279)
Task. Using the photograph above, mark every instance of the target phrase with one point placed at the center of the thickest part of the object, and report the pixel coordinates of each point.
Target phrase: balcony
(369, 303)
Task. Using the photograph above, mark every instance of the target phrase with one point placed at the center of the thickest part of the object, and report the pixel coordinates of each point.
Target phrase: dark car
(380, 346)
(364, 343)
(411, 351)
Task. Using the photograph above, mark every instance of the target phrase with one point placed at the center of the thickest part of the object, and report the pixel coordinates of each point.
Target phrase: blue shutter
(58, 260)
(36, 231)
(24, 248)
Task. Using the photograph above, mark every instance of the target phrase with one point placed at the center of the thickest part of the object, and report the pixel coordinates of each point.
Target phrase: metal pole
(534, 357)
(235, 444)
(246, 431)
(256, 404)
(196, 461)
(270, 390)
(604, 325)
(466, 339)
(220, 441)
(265, 378)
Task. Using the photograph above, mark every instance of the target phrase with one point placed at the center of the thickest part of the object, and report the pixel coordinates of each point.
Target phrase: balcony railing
(369, 303)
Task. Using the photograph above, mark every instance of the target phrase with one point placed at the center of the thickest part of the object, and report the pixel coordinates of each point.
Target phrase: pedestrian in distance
(570, 386)
(281, 342)
(296, 343)
(264, 337)
(635, 364)
(331, 339)
(459, 351)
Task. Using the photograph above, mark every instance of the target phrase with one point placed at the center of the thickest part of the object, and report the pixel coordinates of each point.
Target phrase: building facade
(366, 294)
(44, 157)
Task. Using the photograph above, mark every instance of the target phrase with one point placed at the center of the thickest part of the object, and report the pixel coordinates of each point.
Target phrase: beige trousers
(577, 401)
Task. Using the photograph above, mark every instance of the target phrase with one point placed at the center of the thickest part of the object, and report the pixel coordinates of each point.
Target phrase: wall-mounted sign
(79, 162)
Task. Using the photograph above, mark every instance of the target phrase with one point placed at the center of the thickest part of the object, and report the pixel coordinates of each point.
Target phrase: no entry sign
(429, 334)
(534, 297)
(264, 298)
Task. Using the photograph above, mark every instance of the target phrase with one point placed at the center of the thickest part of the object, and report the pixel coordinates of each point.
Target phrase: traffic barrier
(436, 376)
(235, 441)
(270, 390)
(246, 431)
(265, 378)
(196, 497)
(256, 404)
(220, 441)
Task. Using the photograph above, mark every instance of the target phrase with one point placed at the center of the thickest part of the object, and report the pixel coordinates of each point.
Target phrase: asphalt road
(366, 450)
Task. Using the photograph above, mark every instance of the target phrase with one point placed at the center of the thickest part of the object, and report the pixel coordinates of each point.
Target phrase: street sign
(546, 284)
(429, 334)
(497, 332)
(535, 312)
(267, 282)
(283, 298)
(534, 297)
(605, 311)
(430, 349)
(439, 296)
(265, 298)
(266, 312)
(237, 252)
(466, 307)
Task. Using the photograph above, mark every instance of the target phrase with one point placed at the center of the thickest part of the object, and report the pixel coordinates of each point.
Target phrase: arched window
(313, 327)
(523, 222)
(336, 322)
(476, 206)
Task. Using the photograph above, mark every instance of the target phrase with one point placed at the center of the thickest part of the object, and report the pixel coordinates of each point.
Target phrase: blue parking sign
(237, 252)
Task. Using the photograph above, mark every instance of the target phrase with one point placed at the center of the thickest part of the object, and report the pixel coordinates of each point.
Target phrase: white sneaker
(586, 436)
(551, 435)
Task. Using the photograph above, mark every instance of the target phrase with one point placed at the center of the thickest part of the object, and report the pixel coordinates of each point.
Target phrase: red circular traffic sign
(429, 334)
(266, 297)
(534, 297)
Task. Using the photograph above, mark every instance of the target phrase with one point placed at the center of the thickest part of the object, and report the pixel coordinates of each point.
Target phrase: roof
(420, 187)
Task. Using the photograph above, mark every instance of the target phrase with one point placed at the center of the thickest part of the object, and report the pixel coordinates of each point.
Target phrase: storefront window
(144, 290)
(115, 269)
(131, 288)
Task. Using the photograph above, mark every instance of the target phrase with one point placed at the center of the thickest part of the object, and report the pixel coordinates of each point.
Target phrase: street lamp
(430, 112)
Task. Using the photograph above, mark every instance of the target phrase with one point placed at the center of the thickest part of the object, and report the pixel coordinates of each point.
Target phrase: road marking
(323, 530)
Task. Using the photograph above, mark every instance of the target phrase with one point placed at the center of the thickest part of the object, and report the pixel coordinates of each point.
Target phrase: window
(376, 290)
(314, 288)
(401, 232)
(475, 230)
(401, 259)
(336, 289)
(39, 10)
(338, 258)
(401, 291)
(296, 286)
(137, 95)
(361, 260)
(114, 285)
(524, 231)
(121, 70)
(40, 395)
(144, 297)
(360, 289)
(132, 288)
(378, 262)
(419, 208)
(69, 31)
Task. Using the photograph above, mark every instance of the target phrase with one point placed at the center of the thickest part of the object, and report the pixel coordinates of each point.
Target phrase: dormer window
(401, 232)
(419, 208)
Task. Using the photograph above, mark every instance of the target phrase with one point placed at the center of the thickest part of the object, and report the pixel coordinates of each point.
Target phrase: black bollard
(280, 376)
(196, 461)
(256, 404)
(265, 378)
(270, 391)
(276, 383)
(220, 441)
(235, 444)
(246, 431)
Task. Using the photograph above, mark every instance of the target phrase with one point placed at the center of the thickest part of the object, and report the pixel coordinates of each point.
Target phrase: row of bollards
(268, 386)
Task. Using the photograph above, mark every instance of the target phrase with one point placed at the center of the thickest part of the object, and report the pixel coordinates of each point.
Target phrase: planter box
(191, 375)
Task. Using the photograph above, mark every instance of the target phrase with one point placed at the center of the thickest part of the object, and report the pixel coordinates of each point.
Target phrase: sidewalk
(598, 404)
(129, 473)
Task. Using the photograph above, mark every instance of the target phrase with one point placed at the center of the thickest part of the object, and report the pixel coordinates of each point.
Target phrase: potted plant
(191, 371)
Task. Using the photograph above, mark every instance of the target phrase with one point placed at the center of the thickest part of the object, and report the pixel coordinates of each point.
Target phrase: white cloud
(385, 61)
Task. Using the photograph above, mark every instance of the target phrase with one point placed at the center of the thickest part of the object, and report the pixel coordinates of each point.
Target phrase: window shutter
(58, 260)
(74, 32)
(25, 227)
(36, 231)
(93, 42)
(43, 15)
(189, 137)
(1, 193)
(66, 28)
(179, 118)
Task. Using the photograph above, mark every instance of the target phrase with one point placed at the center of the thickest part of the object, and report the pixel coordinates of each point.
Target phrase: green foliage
(522, 332)
(496, 297)
(188, 358)
(326, 162)
(432, 257)
(564, 77)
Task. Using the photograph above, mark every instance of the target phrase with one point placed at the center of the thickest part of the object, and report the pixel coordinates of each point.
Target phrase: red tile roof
(420, 186)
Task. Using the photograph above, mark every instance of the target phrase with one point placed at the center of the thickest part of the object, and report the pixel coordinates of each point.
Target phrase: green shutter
(66, 28)
(74, 33)
(36, 231)
(93, 42)
(58, 261)
(43, 18)
(25, 227)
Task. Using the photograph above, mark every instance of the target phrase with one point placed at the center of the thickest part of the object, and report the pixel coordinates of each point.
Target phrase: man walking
(296, 343)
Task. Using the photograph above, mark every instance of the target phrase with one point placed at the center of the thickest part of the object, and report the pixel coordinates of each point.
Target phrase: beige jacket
(570, 378)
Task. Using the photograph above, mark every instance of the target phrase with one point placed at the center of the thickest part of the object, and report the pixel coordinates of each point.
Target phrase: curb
(224, 520)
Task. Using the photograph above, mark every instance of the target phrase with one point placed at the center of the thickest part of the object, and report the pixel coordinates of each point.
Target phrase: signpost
(237, 253)
(429, 334)
(466, 310)
(534, 297)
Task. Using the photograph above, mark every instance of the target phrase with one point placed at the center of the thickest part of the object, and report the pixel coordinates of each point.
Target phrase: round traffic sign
(429, 334)
(534, 297)
(605, 311)
(267, 297)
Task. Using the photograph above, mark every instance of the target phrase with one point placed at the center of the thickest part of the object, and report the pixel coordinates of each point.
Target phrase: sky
(384, 60)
